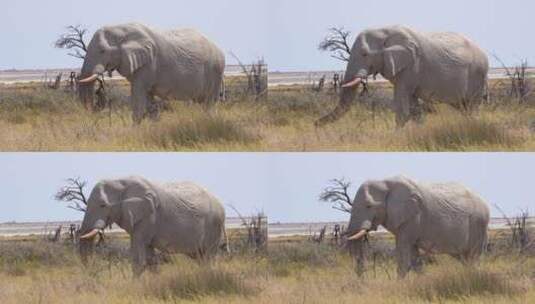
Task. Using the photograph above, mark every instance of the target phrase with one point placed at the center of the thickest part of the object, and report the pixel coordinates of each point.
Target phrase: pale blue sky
(283, 185)
(285, 32)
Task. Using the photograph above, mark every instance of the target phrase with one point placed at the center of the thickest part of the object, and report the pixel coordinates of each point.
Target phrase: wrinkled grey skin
(443, 218)
(180, 64)
(445, 67)
(175, 217)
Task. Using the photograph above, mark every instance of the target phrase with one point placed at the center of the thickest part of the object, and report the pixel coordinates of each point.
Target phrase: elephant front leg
(140, 102)
(138, 250)
(402, 105)
(404, 255)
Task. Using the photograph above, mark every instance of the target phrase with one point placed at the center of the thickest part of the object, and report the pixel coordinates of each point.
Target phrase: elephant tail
(225, 246)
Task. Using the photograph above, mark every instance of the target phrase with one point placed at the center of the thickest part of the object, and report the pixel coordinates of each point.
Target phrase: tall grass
(37, 119)
(294, 271)
(197, 283)
(457, 283)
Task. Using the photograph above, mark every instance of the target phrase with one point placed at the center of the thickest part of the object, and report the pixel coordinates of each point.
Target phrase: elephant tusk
(355, 82)
(89, 79)
(357, 235)
(90, 235)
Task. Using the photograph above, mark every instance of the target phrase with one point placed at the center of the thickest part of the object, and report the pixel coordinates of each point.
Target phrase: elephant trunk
(90, 228)
(86, 81)
(353, 78)
(346, 98)
(358, 250)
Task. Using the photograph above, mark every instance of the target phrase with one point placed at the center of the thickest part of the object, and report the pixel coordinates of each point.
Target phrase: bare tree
(337, 194)
(74, 41)
(73, 194)
(337, 42)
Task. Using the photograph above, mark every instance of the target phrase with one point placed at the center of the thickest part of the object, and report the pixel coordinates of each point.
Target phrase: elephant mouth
(97, 228)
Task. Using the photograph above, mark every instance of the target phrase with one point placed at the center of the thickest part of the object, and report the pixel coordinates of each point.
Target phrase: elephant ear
(135, 55)
(396, 59)
(137, 209)
(402, 205)
(400, 52)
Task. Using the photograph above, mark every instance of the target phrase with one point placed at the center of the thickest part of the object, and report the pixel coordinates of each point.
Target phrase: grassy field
(37, 119)
(291, 271)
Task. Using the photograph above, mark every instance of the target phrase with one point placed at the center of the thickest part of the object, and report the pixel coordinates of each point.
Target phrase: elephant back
(453, 198)
(192, 198)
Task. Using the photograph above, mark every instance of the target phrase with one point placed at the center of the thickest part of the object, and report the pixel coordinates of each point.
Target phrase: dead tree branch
(73, 40)
(337, 43)
(337, 194)
(73, 194)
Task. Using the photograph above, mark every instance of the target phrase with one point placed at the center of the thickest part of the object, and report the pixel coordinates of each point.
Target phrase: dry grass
(294, 271)
(36, 119)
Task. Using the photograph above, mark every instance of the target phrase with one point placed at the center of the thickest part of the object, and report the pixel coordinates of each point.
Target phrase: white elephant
(445, 67)
(181, 64)
(176, 217)
(434, 217)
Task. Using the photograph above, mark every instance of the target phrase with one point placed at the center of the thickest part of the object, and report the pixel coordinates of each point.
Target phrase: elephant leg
(152, 261)
(153, 108)
(416, 260)
(140, 102)
(138, 248)
(416, 109)
(402, 105)
(404, 254)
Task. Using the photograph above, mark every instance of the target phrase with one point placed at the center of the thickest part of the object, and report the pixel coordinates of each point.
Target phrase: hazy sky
(285, 32)
(285, 186)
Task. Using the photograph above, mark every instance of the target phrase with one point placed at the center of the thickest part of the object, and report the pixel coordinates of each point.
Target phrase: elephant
(181, 64)
(171, 217)
(431, 217)
(422, 67)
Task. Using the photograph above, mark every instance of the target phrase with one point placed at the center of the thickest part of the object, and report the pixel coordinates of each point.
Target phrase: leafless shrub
(57, 83)
(74, 41)
(319, 238)
(257, 230)
(257, 78)
(520, 232)
(337, 43)
(519, 87)
(337, 194)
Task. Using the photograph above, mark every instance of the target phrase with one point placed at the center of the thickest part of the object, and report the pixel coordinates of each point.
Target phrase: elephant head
(125, 48)
(387, 51)
(124, 202)
(389, 203)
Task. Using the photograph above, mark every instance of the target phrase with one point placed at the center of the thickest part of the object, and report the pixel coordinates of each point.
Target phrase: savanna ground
(33, 118)
(293, 270)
